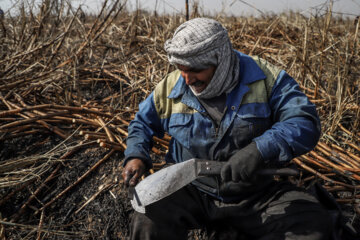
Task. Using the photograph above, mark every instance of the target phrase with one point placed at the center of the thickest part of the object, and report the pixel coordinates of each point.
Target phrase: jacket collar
(249, 70)
(179, 88)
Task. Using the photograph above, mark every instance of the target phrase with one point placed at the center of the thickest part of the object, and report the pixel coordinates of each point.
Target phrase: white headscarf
(201, 43)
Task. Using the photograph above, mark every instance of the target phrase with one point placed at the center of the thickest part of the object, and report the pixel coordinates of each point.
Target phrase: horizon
(344, 8)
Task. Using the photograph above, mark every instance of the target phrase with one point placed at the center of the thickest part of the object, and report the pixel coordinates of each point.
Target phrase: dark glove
(132, 171)
(240, 170)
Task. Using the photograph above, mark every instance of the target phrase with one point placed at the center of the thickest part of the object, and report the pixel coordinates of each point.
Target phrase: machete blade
(170, 179)
(163, 183)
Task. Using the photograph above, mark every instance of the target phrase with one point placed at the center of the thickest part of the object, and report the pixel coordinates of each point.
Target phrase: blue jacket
(266, 106)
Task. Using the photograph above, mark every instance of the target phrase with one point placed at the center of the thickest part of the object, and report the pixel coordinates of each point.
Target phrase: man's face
(197, 79)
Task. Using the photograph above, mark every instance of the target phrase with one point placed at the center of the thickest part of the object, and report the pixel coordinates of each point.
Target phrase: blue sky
(230, 7)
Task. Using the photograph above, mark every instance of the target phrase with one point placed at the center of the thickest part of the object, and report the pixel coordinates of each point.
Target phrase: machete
(170, 179)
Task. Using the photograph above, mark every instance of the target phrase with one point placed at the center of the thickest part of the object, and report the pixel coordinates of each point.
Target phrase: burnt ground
(105, 217)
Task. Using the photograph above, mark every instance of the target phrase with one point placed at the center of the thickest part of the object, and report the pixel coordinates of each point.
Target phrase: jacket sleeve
(296, 129)
(145, 125)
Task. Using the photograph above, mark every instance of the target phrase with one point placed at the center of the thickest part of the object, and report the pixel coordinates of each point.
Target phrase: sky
(229, 7)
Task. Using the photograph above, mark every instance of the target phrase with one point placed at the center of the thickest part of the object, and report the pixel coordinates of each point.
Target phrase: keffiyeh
(201, 43)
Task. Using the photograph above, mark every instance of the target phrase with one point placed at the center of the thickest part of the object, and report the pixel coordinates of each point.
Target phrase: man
(224, 105)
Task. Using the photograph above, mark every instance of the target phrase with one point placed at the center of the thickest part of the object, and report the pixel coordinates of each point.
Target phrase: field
(70, 83)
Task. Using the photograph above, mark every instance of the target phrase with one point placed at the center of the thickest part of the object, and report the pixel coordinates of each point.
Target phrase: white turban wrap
(201, 43)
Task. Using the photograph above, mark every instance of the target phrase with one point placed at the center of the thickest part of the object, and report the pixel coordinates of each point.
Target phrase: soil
(105, 217)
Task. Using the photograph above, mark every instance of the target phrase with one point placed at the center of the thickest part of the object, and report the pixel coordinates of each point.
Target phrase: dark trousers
(281, 212)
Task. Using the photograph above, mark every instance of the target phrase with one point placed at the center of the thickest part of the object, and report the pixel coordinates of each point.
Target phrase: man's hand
(240, 170)
(132, 171)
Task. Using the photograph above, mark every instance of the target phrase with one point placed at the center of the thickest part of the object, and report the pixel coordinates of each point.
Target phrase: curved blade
(163, 183)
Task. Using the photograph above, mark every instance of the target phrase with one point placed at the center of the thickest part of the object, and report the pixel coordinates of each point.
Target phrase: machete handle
(286, 172)
(209, 168)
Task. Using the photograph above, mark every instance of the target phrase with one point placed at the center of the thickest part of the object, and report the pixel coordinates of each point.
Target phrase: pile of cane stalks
(70, 83)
